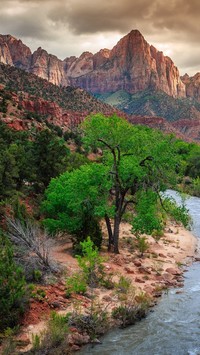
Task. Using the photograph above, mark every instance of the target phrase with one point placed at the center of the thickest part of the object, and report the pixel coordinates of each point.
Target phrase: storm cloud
(69, 27)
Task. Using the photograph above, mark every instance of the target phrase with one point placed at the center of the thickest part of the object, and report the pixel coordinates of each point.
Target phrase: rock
(55, 304)
(162, 255)
(137, 279)
(132, 65)
(78, 339)
(129, 270)
(167, 276)
(192, 85)
(197, 259)
(144, 270)
(173, 271)
(75, 347)
(137, 263)
(22, 340)
(107, 298)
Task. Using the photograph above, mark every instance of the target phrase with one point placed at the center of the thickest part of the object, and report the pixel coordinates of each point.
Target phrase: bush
(91, 263)
(128, 314)
(94, 324)
(12, 287)
(55, 339)
(178, 213)
(76, 284)
(123, 285)
(142, 244)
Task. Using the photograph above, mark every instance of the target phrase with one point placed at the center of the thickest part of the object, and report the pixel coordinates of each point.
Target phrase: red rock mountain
(192, 85)
(132, 65)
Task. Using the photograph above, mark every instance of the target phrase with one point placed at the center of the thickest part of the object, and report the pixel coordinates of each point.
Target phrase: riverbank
(160, 267)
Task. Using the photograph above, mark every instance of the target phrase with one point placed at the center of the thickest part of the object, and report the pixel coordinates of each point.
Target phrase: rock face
(15, 52)
(48, 67)
(192, 86)
(132, 65)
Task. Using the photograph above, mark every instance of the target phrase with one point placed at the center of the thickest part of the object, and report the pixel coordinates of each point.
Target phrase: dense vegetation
(136, 164)
(69, 98)
(132, 166)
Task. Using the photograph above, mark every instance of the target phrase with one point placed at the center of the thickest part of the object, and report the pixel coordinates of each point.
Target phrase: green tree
(133, 159)
(139, 159)
(12, 286)
(76, 200)
(50, 153)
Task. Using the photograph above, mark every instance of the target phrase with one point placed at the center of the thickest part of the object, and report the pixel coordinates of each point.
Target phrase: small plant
(76, 284)
(94, 324)
(37, 275)
(39, 294)
(36, 341)
(128, 314)
(12, 286)
(123, 285)
(142, 244)
(54, 340)
(91, 263)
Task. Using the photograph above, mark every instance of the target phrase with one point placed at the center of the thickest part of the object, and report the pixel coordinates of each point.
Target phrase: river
(173, 327)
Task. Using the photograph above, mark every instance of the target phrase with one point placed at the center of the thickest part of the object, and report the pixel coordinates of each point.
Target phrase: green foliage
(147, 219)
(76, 200)
(76, 284)
(142, 244)
(55, 339)
(92, 270)
(128, 314)
(136, 161)
(93, 324)
(49, 157)
(123, 285)
(37, 275)
(196, 186)
(90, 263)
(178, 213)
(12, 286)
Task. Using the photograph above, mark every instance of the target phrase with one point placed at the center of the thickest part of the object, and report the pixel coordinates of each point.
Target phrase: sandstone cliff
(132, 65)
(192, 85)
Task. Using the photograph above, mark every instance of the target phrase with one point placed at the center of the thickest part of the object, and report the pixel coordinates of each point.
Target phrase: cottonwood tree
(133, 159)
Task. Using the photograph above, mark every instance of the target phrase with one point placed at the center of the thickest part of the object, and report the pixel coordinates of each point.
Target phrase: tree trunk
(110, 233)
(116, 234)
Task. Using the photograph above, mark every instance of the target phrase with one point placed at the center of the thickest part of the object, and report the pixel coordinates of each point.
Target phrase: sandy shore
(161, 266)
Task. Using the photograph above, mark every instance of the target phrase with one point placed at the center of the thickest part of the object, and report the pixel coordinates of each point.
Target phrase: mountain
(132, 65)
(133, 77)
(192, 85)
(27, 101)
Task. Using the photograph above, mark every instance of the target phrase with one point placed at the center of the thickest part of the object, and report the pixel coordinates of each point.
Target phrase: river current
(173, 327)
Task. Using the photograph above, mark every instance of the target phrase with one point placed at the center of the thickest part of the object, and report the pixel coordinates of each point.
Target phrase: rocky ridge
(132, 65)
(27, 100)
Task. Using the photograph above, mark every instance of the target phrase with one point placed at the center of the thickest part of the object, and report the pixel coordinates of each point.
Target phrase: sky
(70, 27)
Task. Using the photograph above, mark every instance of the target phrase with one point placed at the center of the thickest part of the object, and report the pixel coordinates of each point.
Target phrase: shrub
(55, 339)
(178, 213)
(94, 324)
(12, 286)
(128, 314)
(142, 244)
(91, 263)
(123, 285)
(76, 284)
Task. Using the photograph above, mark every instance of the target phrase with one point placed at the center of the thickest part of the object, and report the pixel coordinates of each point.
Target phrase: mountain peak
(134, 33)
(132, 65)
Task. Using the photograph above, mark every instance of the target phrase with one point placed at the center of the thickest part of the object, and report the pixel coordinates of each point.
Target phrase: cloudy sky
(69, 27)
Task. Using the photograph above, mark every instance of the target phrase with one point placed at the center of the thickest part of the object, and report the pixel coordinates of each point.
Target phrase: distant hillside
(153, 103)
(27, 99)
